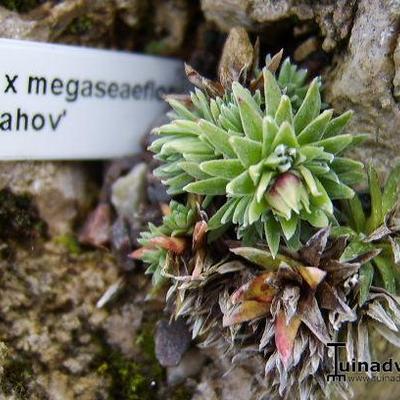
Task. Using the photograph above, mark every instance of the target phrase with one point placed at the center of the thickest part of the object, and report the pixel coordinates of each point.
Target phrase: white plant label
(67, 102)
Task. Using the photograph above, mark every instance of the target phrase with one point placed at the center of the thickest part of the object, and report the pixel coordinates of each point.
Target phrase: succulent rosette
(254, 151)
(273, 166)
(170, 237)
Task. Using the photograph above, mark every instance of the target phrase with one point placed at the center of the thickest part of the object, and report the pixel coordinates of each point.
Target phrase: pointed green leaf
(211, 186)
(272, 234)
(336, 144)
(316, 218)
(386, 270)
(215, 221)
(285, 136)
(228, 169)
(250, 113)
(263, 185)
(376, 218)
(310, 107)
(198, 157)
(343, 164)
(270, 130)
(289, 226)
(391, 192)
(357, 214)
(317, 168)
(322, 201)
(193, 169)
(359, 139)
(255, 210)
(217, 137)
(180, 109)
(179, 127)
(228, 214)
(315, 129)
(177, 183)
(309, 179)
(315, 153)
(337, 190)
(272, 93)
(366, 276)
(199, 99)
(241, 185)
(215, 111)
(284, 111)
(285, 72)
(263, 258)
(238, 215)
(248, 151)
(255, 172)
(185, 145)
(336, 126)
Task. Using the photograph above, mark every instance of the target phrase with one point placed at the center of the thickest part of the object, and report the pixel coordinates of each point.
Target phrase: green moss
(130, 380)
(157, 47)
(137, 379)
(181, 393)
(80, 25)
(142, 378)
(19, 218)
(70, 242)
(17, 373)
(20, 5)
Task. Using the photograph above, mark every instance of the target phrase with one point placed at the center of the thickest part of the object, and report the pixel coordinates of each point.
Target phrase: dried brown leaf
(237, 57)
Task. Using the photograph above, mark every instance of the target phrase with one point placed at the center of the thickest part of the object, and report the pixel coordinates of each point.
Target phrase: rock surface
(363, 78)
(333, 18)
(62, 191)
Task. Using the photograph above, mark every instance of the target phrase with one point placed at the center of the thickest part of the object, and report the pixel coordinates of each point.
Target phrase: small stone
(190, 365)
(122, 244)
(96, 231)
(172, 341)
(129, 192)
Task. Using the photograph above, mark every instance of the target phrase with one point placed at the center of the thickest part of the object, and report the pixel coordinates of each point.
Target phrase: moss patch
(70, 242)
(80, 25)
(17, 373)
(19, 218)
(142, 378)
(20, 5)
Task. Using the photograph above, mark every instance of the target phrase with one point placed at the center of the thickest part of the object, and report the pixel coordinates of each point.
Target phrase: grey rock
(129, 192)
(122, 244)
(190, 365)
(333, 17)
(363, 80)
(238, 384)
(122, 326)
(62, 191)
(172, 341)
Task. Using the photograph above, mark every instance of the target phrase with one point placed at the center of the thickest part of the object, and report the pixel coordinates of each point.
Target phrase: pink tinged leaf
(312, 275)
(199, 234)
(285, 335)
(246, 311)
(173, 244)
(139, 253)
(165, 209)
(288, 185)
(257, 289)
